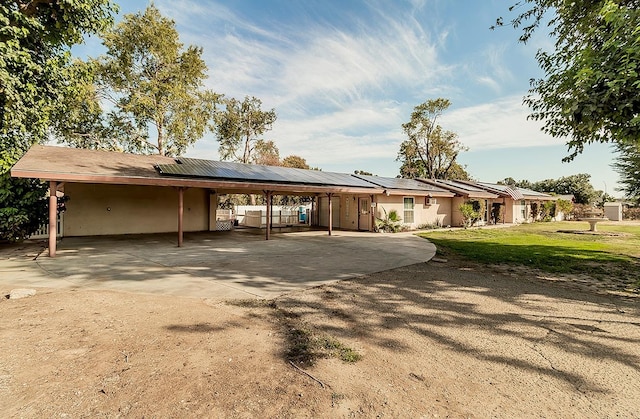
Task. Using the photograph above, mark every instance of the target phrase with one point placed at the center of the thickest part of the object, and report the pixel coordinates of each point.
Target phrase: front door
(364, 214)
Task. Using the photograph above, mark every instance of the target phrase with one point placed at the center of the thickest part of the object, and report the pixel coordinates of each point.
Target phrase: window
(408, 210)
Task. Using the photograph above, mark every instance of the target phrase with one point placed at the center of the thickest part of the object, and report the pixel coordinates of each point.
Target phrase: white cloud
(499, 124)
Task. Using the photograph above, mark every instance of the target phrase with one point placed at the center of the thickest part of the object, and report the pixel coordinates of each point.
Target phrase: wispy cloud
(499, 124)
(343, 89)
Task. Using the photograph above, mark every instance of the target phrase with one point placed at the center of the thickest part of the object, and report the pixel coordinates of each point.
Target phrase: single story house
(120, 193)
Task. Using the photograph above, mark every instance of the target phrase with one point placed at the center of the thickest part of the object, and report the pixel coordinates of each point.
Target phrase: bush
(469, 214)
(23, 207)
(391, 223)
(631, 213)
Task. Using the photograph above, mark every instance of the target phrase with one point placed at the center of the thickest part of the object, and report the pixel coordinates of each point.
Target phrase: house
(517, 205)
(416, 203)
(119, 193)
(465, 192)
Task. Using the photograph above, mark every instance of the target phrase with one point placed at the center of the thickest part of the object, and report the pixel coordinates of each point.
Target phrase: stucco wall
(440, 211)
(122, 209)
(323, 211)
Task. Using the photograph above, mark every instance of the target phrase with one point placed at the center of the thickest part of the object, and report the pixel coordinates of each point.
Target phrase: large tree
(239, 128)
(150, 87)
(35, 76)
(589, 92)
(430, 151)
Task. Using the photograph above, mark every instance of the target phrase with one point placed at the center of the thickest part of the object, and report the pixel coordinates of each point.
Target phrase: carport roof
(63, 164)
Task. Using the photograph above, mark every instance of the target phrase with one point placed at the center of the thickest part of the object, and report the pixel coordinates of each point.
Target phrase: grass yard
(544, 247)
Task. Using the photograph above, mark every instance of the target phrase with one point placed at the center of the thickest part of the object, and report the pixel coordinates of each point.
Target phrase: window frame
(412, 210)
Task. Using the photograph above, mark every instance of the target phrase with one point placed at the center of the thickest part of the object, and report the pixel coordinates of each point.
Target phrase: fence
(43, 231)
(258, 219)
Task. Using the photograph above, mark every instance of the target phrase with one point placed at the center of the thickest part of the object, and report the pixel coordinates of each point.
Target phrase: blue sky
(343, 75)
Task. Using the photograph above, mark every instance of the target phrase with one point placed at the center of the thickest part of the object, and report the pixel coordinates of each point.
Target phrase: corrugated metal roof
(211, 169)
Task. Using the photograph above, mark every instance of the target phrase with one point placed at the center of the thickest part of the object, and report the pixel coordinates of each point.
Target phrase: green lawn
(542, 246)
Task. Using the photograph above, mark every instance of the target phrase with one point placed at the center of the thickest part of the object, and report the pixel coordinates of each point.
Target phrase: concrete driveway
(215, 265)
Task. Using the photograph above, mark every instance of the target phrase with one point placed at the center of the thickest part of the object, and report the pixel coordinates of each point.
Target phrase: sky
(344, 75)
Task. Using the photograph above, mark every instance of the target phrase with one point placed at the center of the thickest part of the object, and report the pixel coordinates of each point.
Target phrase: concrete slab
(216, 265)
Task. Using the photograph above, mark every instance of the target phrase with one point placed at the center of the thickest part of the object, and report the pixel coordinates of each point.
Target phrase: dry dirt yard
(434, 340)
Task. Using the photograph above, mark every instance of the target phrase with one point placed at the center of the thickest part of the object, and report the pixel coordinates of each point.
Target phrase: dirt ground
(437, 339)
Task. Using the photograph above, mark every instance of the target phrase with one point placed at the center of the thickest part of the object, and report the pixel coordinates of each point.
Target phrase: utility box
(613, 211)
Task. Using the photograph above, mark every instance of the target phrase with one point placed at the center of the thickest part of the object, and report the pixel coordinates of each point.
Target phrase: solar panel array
(399, 183)
(461, 185)
(211, 169)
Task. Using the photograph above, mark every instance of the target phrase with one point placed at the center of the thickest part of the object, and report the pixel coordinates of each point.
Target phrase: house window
(408, 210)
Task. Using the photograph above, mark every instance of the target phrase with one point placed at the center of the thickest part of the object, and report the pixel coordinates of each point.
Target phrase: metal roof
(210, 169)
(401, 183)
(516, 192)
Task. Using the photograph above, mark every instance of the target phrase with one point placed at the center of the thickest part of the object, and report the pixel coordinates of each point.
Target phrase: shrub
(391, 223)
(469, 214)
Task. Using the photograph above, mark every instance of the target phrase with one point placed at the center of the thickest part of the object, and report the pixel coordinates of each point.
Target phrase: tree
(151, 83)
(430, 151)
(577, 185)
(295, 162)
(266, 153)
(509, 181)
(239, 127)
(590, 89)
(35, 75)
(627, 164)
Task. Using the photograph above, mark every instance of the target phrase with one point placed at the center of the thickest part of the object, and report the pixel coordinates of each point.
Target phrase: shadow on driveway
(218, 264)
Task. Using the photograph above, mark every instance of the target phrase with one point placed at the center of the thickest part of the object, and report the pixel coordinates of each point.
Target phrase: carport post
(53, 218)
(269, 209)
(330, 195)
(180, 214)
(372, 212)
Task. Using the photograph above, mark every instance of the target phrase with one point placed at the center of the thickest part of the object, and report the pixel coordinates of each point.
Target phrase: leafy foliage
(36, 76)
(150, 82)
(430, 151)
(627, 165)
(390, 223)
(240, 126)
(577, 185)
(471, 212)
(295, 162)
(590, 90)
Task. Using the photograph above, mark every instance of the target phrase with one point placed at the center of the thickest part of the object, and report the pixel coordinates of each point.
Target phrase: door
(364, 214)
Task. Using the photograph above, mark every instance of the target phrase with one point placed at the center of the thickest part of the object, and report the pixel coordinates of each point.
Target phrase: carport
(60, 165)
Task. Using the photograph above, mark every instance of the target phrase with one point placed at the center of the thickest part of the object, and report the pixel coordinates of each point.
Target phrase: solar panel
(400, 183)
(211, 169)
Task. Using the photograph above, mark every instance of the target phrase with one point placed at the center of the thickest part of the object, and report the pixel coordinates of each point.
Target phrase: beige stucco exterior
(100, 209)
(355, 212)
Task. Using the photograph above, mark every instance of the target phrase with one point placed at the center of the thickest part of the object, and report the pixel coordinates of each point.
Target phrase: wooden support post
(53, 218)
(180, 215)
(372, 213)
(330, 195)
(269, 212)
